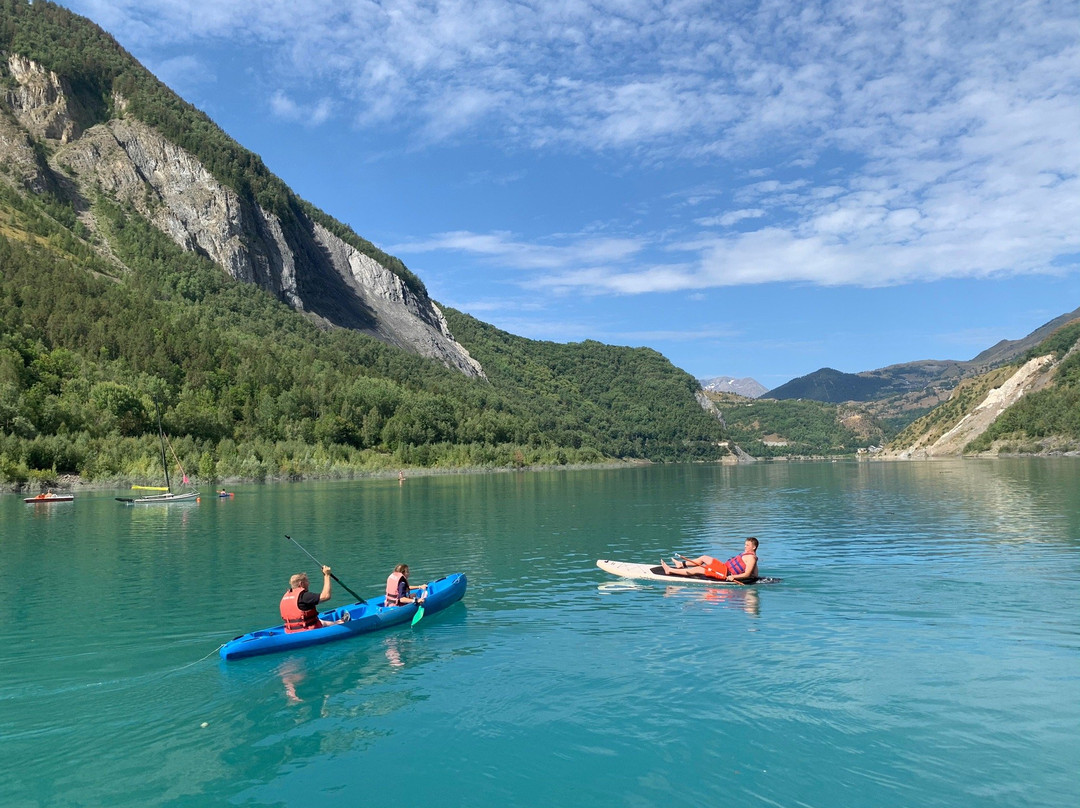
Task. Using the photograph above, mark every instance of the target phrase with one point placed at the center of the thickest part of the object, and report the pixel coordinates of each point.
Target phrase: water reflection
(743, 598)
(393, 653)
(50, 510)
(746, 598)
(292, 672)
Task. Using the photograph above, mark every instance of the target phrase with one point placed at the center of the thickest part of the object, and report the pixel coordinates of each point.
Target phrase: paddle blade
(418, 615)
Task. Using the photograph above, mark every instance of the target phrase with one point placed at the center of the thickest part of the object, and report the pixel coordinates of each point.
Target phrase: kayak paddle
(418, 615)
(321, 565)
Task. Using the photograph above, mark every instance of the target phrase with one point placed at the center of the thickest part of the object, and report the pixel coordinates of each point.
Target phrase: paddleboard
(647, 572)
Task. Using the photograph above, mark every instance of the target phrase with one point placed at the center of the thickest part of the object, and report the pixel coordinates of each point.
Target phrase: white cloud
(731, 217)
(308, 114)
(182, 71)
(511, 252)
(905, 140)
(670, 335)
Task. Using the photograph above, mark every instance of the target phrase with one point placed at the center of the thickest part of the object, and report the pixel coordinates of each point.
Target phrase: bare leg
(673, 571)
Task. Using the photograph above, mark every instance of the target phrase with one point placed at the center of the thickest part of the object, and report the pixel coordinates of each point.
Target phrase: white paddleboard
(648, 572)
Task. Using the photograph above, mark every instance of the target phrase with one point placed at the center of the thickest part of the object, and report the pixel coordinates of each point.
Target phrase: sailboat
(191, 495)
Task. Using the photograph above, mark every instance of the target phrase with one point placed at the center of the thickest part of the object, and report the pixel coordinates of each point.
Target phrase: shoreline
(72, 482)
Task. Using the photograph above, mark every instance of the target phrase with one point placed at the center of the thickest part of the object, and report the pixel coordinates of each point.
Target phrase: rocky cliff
(974, 406)
(49, 142)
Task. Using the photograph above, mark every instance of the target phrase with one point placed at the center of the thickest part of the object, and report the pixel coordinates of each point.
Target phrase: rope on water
(196, 662)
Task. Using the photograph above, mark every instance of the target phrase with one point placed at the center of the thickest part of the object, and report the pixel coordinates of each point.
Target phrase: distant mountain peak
(911, 378)
(727, 384)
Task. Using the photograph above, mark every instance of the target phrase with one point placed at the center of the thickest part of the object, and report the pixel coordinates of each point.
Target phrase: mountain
(928, 380)
(82, 118)
(146, 257)
(1008, 350)
(1030, 406)
(726, 384)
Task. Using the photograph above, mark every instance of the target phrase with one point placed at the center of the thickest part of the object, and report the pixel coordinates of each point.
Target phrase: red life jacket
(736, 565)
(296, 620)
(393, 587)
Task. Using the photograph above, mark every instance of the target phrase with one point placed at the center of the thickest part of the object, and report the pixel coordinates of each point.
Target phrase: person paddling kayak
(741, 568)
(300, 606)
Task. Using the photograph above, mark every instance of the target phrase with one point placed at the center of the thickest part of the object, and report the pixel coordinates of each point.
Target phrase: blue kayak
(364, 618)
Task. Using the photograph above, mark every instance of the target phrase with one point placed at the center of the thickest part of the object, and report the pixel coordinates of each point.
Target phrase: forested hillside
(252, 389)
(767, 428)
(633, 397)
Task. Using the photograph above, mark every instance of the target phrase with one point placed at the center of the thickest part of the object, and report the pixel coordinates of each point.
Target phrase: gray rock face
(40, 101)
(303, 264)
(133, 164)
(417, 322)
(18, 156)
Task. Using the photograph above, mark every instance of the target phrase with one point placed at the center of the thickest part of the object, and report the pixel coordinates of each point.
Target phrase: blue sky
(753, 189)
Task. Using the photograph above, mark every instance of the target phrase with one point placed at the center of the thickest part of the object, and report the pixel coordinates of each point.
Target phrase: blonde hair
(297, 580)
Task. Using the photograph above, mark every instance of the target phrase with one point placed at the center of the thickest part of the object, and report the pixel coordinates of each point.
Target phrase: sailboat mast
(161, 437)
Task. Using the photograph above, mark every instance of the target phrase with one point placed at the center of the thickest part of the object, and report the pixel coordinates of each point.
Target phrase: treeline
(97, 69)
(250, 388)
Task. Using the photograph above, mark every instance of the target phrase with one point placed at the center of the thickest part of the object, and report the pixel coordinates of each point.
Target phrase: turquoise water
(923, 649)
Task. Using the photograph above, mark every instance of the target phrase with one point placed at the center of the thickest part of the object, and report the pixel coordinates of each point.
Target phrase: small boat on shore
(647, 572)
(364, 618)
(48, 497)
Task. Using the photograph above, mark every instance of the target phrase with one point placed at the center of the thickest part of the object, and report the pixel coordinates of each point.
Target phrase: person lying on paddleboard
(740, 569)
(397, 588)
(300, 606)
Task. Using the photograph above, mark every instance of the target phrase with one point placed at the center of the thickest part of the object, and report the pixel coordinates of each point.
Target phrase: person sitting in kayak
(397, 588)
(300, 606)
(741, 569)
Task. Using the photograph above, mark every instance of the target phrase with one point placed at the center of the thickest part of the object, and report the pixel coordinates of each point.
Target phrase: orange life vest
(715, 568)
(393, 586)
(736, 565)
(296, 620)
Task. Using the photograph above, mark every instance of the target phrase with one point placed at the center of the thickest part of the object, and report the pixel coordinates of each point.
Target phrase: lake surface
(923, 649)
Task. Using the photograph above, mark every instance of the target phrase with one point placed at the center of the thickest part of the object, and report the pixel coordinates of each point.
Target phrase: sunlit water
(923, 649)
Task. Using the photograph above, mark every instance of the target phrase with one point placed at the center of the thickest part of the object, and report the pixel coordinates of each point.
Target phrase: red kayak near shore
(48, 498)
